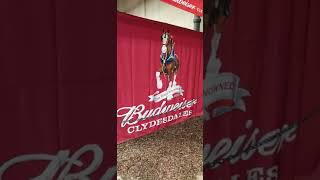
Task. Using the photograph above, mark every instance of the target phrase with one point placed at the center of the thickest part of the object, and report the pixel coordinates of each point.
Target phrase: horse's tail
(177, 63)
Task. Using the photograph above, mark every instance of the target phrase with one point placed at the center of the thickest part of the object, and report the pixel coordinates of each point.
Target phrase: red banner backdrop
(263, 79)
(142, 106)
(192, 6)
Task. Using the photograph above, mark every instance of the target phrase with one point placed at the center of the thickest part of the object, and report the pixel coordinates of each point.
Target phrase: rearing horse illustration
(169, 62)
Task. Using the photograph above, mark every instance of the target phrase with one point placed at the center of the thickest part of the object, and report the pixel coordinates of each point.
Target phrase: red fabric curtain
(55, 63)
(138, 60)
(273, 47)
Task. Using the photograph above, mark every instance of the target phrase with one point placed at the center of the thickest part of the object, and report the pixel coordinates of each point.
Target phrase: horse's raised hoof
(159, 84)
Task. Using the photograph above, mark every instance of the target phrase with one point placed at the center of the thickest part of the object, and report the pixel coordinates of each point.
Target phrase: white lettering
(63, 159)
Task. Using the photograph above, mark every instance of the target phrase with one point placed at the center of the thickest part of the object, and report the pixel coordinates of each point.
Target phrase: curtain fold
(272, 46)
(55, 79)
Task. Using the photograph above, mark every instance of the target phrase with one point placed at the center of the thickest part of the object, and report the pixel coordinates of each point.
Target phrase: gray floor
(174, 153)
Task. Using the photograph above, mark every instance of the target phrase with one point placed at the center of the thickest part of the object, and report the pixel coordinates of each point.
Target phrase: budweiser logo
(132, 115)
(62, 163)
(168, 94)
(246, 145)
